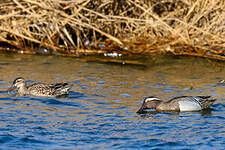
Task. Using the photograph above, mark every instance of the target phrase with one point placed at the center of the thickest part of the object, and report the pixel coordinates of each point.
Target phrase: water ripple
(100, 110)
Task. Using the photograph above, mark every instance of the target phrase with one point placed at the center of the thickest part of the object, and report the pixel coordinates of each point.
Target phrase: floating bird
(39, 89)
(182, 103)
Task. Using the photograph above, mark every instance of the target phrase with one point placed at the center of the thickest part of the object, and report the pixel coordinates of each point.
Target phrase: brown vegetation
(129, 27)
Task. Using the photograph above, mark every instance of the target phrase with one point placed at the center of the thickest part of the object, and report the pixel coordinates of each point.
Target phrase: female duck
(182, 103)
(39, 89)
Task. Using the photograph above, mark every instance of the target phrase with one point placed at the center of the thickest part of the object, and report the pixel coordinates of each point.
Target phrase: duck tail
(207, 103)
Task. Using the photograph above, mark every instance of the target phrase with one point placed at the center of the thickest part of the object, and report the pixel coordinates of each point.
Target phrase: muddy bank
(114, 28)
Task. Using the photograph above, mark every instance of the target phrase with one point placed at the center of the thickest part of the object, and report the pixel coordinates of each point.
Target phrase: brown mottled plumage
(39, 89)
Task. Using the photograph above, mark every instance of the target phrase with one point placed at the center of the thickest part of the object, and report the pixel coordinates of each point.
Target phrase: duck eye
(18, 81)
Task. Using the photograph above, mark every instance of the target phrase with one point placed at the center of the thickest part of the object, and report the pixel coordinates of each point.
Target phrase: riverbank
(114, 28)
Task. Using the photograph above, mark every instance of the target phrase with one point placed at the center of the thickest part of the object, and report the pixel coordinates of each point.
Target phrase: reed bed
(126, 27)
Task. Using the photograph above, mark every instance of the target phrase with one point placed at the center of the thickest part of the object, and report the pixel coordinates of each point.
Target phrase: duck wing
(58, 85)
(40, 89)
(60, 88)
(195, 103)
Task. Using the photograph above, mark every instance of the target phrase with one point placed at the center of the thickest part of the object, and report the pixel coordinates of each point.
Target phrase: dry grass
(185, 27)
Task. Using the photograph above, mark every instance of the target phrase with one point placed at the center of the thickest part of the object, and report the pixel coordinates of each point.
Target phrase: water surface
(100, 111)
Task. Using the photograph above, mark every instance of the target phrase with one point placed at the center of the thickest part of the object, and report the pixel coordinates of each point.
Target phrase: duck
(39, 89)
(179, 104)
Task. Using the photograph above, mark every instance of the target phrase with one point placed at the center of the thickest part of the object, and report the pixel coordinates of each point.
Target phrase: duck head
(17, 84)
(149, 103)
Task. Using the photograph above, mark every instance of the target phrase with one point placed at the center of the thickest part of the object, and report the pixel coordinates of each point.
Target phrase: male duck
(182, 103)
(39, 89)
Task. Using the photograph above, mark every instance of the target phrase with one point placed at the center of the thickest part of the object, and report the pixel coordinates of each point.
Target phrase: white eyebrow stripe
(151, 98)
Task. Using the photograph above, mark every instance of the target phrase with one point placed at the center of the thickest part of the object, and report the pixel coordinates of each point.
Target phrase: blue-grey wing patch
(186, 105)
(190, 104)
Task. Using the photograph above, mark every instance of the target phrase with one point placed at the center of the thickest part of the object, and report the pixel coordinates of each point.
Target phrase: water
(100, 112)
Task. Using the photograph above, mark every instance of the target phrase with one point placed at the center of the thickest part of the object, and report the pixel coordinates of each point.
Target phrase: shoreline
(107, 28)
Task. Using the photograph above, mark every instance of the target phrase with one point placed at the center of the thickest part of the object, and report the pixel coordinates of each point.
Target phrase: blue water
(100, 111)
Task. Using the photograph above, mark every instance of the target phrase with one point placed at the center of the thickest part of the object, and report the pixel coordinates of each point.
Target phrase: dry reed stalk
(131, 27)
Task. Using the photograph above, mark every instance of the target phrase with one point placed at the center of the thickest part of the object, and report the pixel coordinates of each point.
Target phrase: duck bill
(11, 88)
(142, 109)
